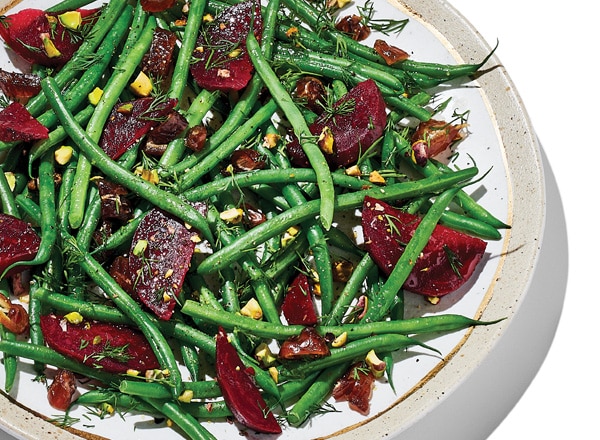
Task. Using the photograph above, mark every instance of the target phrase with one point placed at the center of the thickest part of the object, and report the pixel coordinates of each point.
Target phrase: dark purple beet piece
(17, 124)
(446, 263)
(18, 242)
(298, 306)
(159, 258)
(360, 121)
(221, 61)
(110, 347)
(130, 121)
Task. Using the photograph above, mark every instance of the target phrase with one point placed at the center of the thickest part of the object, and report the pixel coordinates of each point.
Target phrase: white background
(549, 50)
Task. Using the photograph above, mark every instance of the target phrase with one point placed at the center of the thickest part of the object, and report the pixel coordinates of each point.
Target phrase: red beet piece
(446, 263)
(239, 390)
(114, 348)
(130, 121)
(19, 86)
(221, 61)
(360, 121)
(25, 30)
(18, 242)
(156, 5)
(160, 255)
(298, 306)
(17, 124)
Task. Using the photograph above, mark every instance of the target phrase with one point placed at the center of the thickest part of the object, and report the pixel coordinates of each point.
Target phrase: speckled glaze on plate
(502, 141)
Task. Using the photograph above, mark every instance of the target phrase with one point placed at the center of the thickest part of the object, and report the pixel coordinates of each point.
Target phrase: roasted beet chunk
(446, 263)
(17, 124)
(239, 390)
(220, 61)
(40, 37)
(298, 306)
(113, 348)
(159, 258)
(349, 129)
(131, 121)
(18, 242)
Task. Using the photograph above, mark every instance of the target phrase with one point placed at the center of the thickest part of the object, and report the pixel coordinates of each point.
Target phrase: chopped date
(391, 54)
(113, 201)
(157, 62)
(62, 389)
(309, 344)
(353, 26)
(356, 387)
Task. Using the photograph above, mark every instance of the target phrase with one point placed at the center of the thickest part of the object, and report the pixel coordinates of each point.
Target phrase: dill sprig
(385, 26)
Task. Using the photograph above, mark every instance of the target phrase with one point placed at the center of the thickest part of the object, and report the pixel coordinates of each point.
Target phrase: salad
(215, 211)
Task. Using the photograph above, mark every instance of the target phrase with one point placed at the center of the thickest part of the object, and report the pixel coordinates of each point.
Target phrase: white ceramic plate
(501, 141)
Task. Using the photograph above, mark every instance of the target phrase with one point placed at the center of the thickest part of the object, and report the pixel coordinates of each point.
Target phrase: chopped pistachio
(142, 85)
(252, 309)
(233, 215)
(49, 46)
(63, 154)
(95, 95)
(340, 340)
(74, 317)
(70, 19)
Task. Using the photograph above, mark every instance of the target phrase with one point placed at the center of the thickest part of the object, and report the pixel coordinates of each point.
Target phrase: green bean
(68, 5)
(296, 214)
(269, 330)
(272, 176)
(123, 71)
(311, 149)
(179, 76)
(316, 394)
(7, 198)
(10, 361)
(48, 214)
(56, 136)
(200, 390)
(163, 199)
(350, 352)
(184, 420)
(350, 290)
(119, 401)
